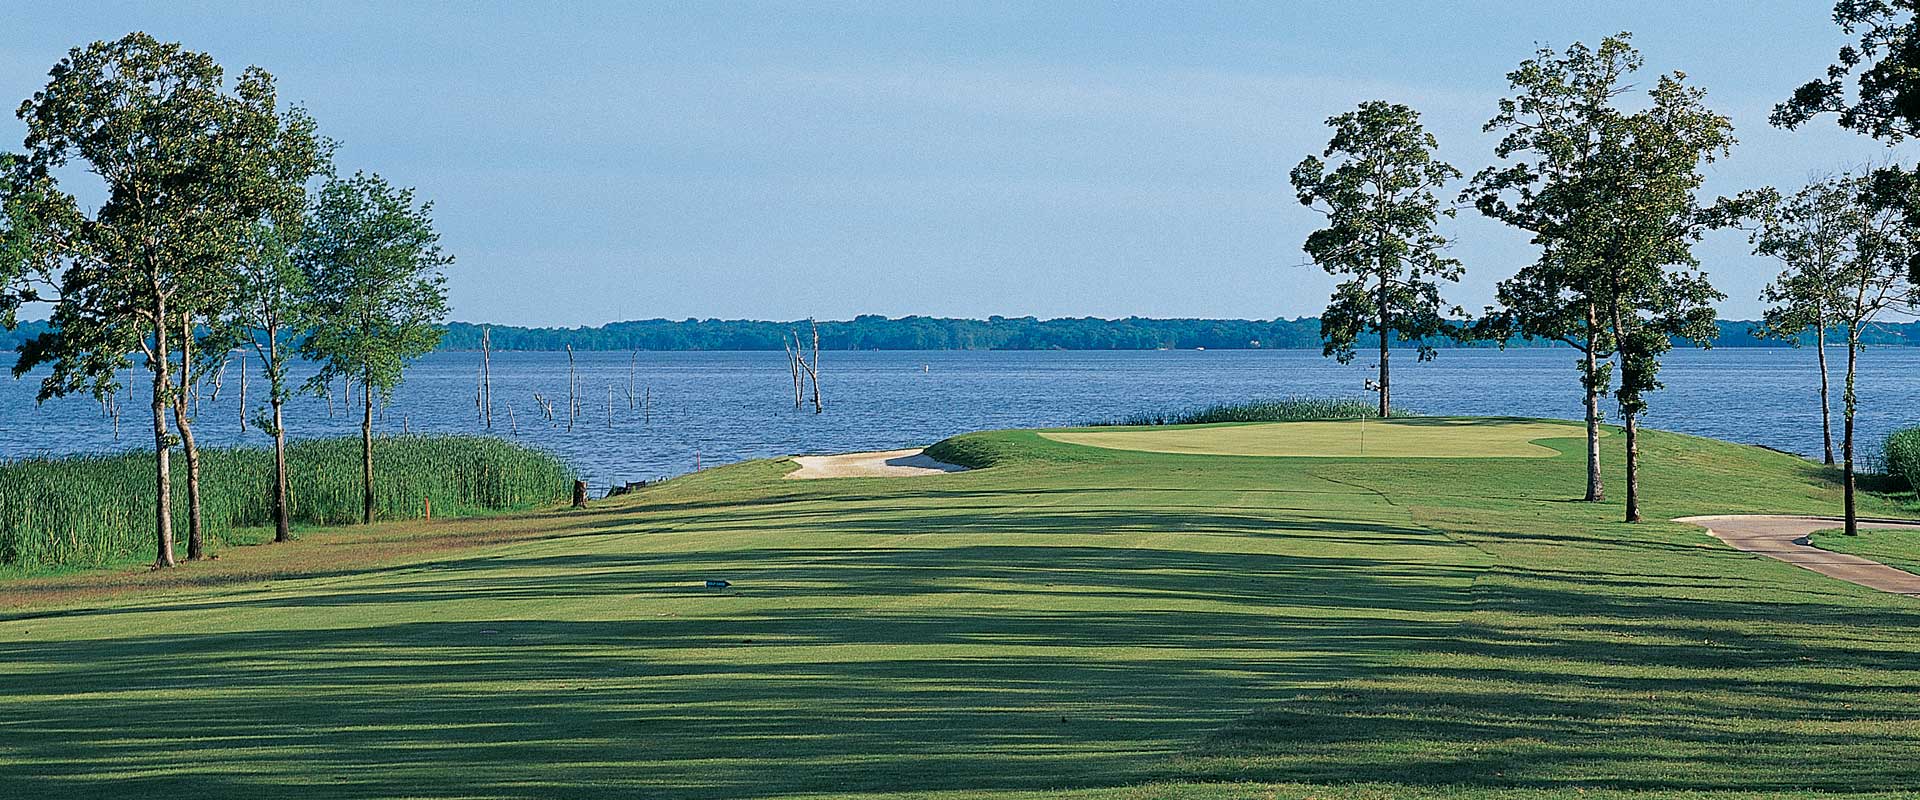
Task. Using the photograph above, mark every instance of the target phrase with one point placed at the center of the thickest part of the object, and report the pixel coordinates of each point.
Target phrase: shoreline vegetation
(93, 510)
(1285, 409)
(874, 332)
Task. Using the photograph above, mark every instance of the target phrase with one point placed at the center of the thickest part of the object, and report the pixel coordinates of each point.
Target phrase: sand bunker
(883, 464)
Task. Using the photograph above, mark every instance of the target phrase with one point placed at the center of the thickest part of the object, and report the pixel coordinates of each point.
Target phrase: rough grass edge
(1284, 409)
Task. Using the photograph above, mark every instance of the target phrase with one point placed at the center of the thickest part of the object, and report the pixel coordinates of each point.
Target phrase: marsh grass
(1285, 409)
(94, 510)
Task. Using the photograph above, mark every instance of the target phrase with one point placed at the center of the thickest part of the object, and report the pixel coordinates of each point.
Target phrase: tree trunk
(1826, 411)
(1846, 441)
(196, 542)
(366, 456)
(813, 370)
(1633, 467)
(1596, 486)
(1386, 391)
(282, 522)
(162, 448)
(486, 376)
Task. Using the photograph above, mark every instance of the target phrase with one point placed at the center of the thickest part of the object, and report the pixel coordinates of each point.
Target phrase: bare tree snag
(486, 377)
(573, 402)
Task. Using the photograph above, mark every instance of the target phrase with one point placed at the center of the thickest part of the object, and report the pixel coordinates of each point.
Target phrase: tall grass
(1286, 409)
(1902, 454)
(86, 510)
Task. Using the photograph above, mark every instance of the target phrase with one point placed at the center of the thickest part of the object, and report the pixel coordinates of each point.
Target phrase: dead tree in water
(546, 406)
(219, 376)
(512, 424)
(793, 365)
(632, 362)
(486, 378)
(813, 368)
(573, 398)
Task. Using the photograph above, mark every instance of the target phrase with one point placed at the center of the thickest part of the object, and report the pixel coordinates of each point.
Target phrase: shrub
(1286, 409)
(1902, 454)
(89, 510)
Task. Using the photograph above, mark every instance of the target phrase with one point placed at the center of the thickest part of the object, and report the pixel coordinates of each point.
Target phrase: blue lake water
(717, 407)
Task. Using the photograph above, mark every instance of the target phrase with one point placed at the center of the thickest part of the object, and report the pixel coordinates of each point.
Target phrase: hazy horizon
(775, 161)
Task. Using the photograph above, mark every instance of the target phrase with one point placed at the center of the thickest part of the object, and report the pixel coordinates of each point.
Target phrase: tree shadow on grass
(998, 647)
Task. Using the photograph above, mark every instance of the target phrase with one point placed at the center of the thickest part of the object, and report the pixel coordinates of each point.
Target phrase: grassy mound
(1070, 621)
(1415, 437)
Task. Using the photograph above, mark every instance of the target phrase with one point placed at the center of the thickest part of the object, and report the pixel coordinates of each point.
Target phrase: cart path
(1784, 537)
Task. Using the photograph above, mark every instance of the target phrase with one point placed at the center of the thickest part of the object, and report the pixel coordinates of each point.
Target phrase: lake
(711, 408)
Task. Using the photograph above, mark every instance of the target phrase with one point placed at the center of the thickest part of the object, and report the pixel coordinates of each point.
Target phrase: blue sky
(779, 160)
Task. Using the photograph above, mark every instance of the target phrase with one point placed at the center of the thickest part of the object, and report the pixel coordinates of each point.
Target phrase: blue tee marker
(713, 584)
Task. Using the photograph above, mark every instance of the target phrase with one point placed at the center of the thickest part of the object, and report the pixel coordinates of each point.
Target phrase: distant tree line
(874, 332)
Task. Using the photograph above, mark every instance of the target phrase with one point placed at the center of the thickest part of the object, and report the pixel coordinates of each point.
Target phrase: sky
(590, 163)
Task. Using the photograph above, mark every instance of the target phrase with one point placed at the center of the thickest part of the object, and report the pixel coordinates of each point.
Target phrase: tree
(154, 122)
(1558, 118)
(1639, 228)
(1877, 276)
(1880, 272)
(1811, 233)
(267, 309)
(376, 291)
(1380, 203)
(1886, 100)
(29, 267)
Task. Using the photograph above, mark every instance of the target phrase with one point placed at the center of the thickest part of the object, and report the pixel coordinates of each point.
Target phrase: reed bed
(1285, 409)
(92, 510)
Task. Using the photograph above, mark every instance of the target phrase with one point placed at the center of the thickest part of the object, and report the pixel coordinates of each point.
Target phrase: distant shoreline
(933, 334)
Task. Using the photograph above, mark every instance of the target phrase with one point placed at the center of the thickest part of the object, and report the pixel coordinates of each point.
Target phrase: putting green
(1392, 438)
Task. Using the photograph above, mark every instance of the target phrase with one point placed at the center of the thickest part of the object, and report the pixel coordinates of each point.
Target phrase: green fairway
(1078, 621)
(1414, 437)
(1899, 548)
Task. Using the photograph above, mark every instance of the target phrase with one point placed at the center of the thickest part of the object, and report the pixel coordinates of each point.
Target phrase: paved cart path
(1785, 538)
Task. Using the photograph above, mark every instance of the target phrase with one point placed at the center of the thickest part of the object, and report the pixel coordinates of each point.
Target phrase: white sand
(883, 464)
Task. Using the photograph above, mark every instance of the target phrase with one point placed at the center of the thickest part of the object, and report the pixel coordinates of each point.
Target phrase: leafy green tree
(1885, 63)
(266, 311)
(29, 264)
(1554, 127)
(1885, 104)
(1811, 233)
(1639, 228)
(156, 124)
(1381, 207)
(1877, 276)
(375, 293)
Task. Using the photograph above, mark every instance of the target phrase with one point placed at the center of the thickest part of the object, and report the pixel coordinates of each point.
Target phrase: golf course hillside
(1416, 608)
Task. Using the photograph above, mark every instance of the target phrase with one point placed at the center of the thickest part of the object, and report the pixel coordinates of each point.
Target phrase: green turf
(1899, 548)
(1072, 621)
(1413, 437)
